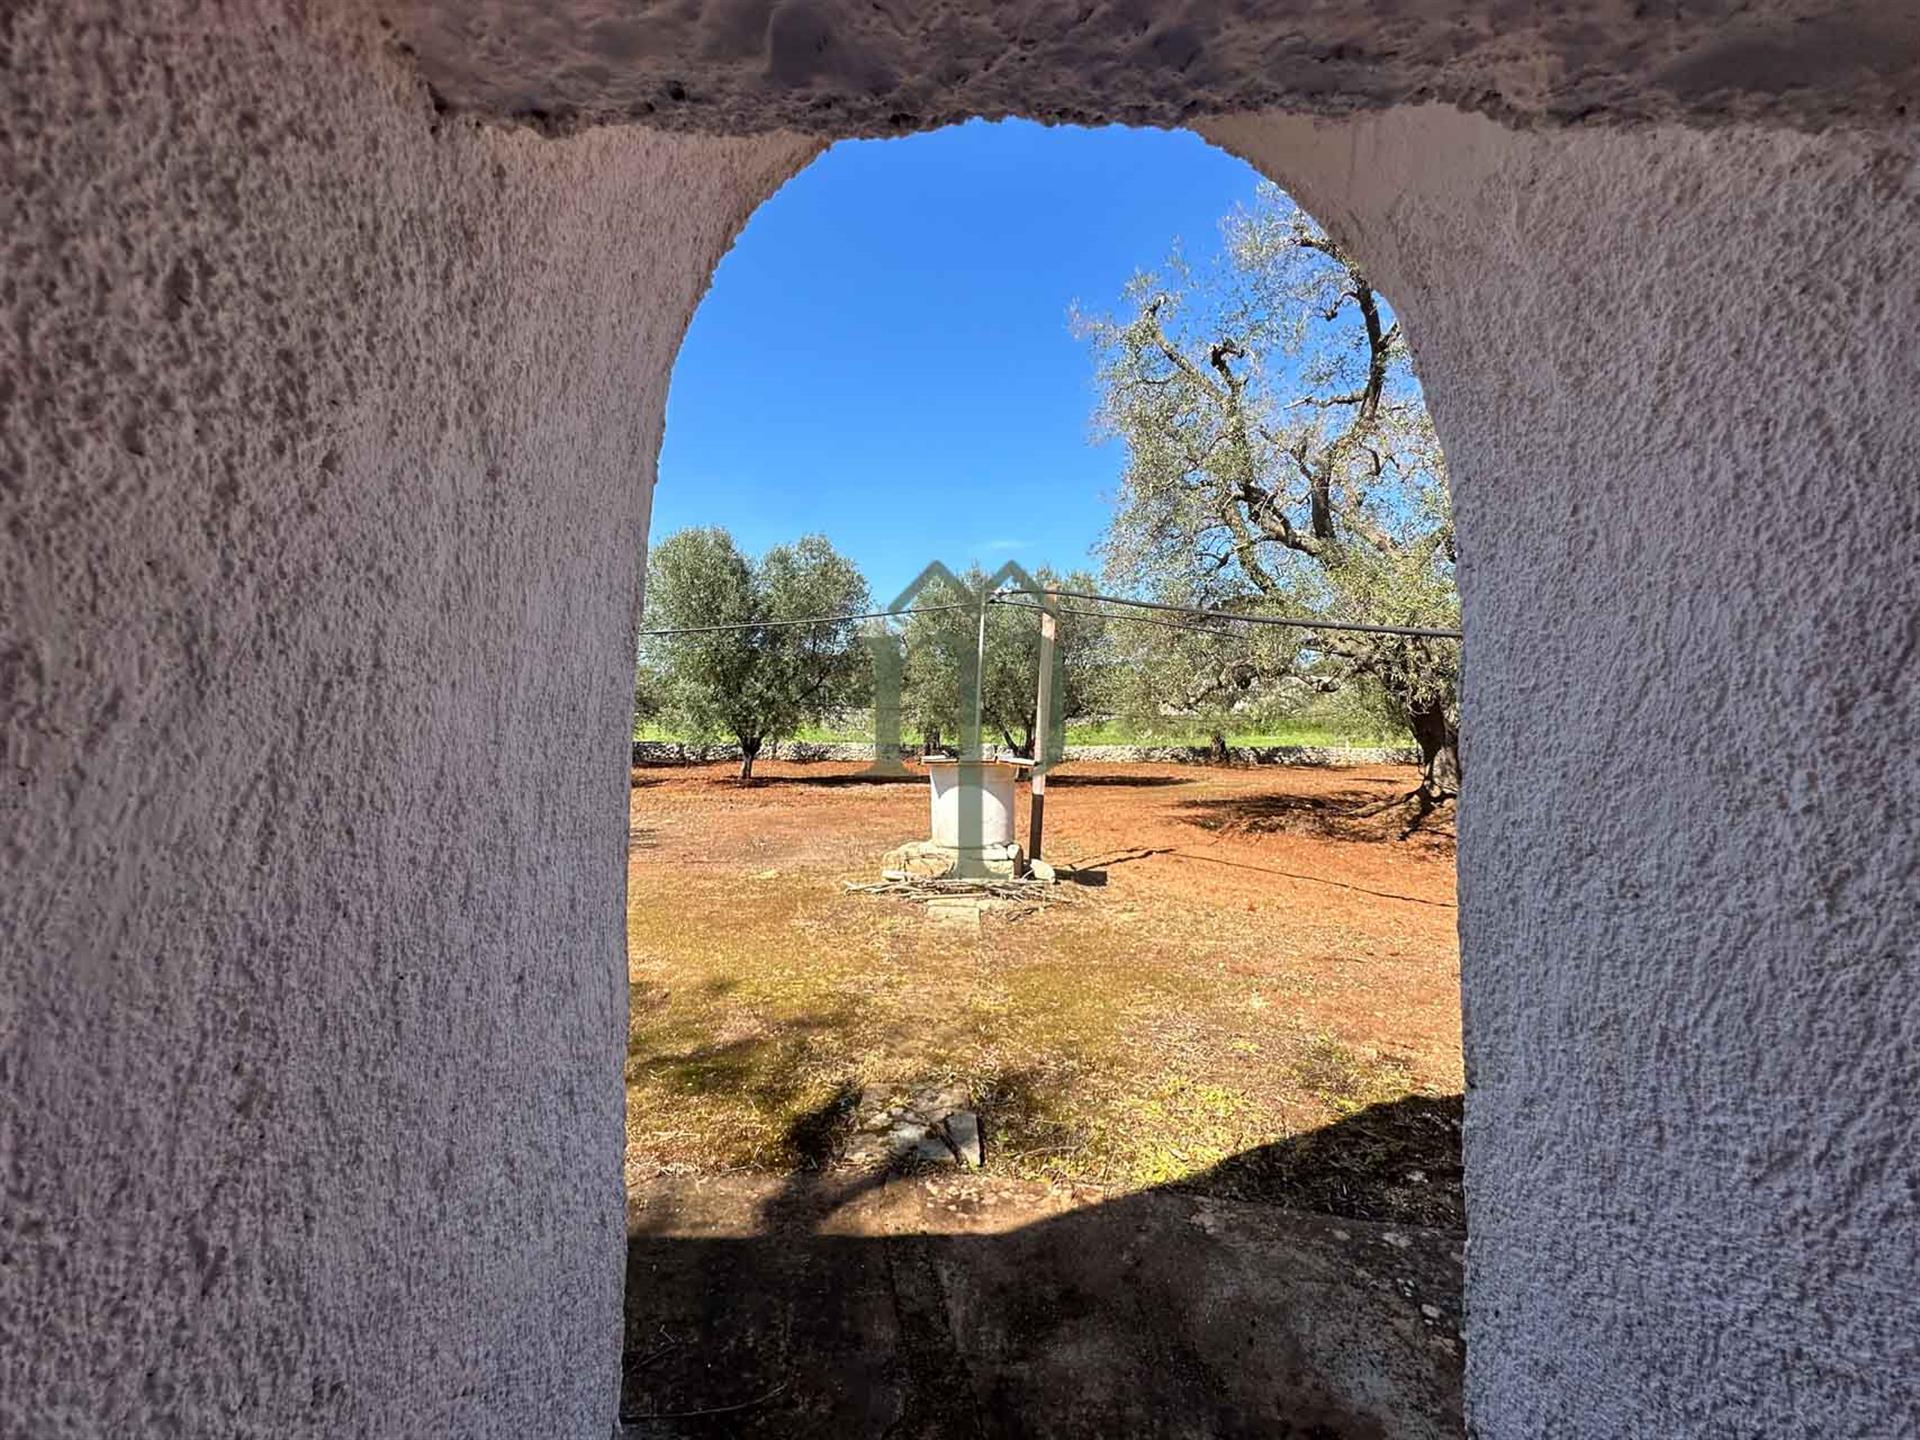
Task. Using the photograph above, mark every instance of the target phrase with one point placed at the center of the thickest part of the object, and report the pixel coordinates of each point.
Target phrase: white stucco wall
(1676, 378)
(328, 445)
(329, 425)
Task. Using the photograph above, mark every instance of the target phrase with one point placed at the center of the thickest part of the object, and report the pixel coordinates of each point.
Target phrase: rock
(942, 1099)
(1041, 870)
(933, 1149)
(929, 1125)
(924, 860)
(962, 914)
(963, 1130)
(921, 860)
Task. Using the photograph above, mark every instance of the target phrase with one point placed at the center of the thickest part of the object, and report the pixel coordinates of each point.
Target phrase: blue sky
(885, 355)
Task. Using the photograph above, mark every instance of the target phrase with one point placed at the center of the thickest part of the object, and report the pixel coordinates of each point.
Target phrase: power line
(1128, 619)
(998, 598)
(1412, 631)
(810, 620)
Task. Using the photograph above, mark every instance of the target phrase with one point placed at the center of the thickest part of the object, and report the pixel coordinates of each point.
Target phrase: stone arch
(329, 395)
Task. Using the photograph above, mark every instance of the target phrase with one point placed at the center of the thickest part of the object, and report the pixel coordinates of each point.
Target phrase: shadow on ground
(1197, 858)
(1395, 1163)
(1079, 780)
(827, 780)
(1083, 780)
(946, 1307)
(1377, 812)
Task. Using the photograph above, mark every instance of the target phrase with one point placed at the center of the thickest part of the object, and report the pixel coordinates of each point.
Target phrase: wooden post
(1042, 729)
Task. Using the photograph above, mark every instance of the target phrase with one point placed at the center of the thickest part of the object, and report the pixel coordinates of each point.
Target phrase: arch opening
(891, 354)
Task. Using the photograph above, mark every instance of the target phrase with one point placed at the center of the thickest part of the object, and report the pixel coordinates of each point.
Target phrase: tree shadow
(1081, 780)
(1397, 1162)
(766, 1069)
(831, 781)
(1346, 814)
(818, 1138)
(920, 1309)
(1093, 872)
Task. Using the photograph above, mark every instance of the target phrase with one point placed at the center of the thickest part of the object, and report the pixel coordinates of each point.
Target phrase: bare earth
(1247, 1008)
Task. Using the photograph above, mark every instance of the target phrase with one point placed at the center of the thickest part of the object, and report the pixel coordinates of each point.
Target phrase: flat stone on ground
(929, 1124)
(954, 911)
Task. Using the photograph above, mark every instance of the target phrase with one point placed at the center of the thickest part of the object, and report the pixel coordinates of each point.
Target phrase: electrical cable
(809, 620)
(1416, 632)
(1128, 619)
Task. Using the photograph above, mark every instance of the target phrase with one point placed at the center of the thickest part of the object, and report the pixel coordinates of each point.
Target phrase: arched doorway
(873, 360)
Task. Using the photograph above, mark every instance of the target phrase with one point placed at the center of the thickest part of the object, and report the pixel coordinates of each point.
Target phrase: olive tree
(762, 680)
(1165, 674)
(1280, 459)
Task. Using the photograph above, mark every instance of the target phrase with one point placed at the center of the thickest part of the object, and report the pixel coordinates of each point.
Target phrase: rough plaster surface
(839, 67)
(329, 427)
(1675, 376)
(328, 445)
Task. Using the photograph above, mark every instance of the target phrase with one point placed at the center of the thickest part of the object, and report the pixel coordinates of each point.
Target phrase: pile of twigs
(914, 887)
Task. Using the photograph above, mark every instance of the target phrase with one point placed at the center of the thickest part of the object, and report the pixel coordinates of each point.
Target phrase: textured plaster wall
(329, 423)
(1676, 376)
(329, 430)
(839, 67)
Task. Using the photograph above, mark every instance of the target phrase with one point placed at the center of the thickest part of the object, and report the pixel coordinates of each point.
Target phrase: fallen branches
(1006, 896)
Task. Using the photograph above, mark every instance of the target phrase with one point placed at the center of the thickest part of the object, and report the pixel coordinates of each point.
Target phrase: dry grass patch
(1188, 1023)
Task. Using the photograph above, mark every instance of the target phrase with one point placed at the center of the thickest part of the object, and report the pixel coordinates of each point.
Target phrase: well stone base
(926, 860)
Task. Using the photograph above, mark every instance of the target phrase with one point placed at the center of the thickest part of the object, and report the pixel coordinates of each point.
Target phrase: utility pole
(1042, 727)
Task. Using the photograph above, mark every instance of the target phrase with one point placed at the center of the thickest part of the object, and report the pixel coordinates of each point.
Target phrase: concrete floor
(952, 1305)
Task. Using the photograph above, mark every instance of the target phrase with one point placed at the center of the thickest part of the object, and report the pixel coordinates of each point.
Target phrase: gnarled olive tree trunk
(1438, 736)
